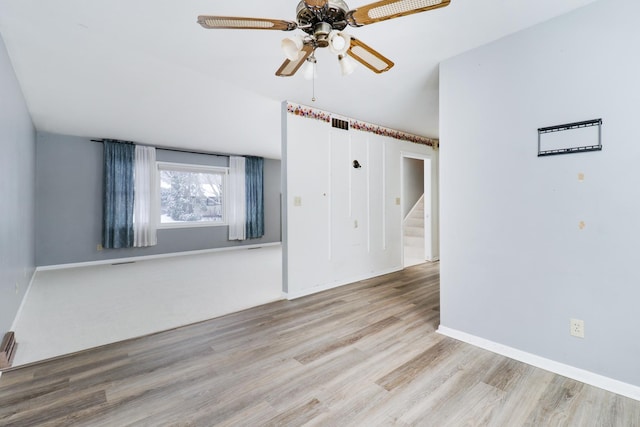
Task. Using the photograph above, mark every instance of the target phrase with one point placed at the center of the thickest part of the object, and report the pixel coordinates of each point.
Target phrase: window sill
(190, 225)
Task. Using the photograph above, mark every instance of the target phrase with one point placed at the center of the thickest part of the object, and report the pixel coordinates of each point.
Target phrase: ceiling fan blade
(368, 57)
(389, 9)
(233, 22)
(289, 68)
(316, 4)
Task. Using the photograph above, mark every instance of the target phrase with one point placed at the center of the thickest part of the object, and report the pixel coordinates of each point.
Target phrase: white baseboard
(24, 299)
(22, 303)
(151, 257)
(577, 374)
(332, 285)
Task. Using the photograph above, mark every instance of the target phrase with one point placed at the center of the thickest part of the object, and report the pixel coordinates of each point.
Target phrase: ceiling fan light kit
(323, 21)
(339, 42)
(347, 66)
(292, 47)
(310, 71)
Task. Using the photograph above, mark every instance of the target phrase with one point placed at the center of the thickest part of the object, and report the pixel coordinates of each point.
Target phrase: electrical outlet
(576, 328)
(99, 247)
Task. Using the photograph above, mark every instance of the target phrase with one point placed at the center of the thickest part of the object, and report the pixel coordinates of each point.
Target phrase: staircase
(413, 230)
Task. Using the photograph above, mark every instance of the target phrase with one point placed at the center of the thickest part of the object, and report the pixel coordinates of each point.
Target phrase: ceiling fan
(323, 22)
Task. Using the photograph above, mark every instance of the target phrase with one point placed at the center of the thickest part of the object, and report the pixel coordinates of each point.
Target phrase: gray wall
(516, 265)
(17, 183)
(413, 183)
(69, 205)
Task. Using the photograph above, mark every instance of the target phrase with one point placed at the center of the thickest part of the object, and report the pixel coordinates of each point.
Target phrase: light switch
(297, 201)
(581, 177)
(397, 200)
(582, 225)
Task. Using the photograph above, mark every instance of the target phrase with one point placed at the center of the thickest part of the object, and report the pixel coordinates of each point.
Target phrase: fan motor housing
(334, 13)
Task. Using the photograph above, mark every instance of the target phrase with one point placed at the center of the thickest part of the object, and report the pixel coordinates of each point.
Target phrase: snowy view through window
(191, 196)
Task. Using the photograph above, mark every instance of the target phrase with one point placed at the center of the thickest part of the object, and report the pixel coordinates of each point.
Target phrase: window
(191, 195)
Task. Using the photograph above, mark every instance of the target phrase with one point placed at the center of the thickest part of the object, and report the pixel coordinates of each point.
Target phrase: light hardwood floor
(365, 354)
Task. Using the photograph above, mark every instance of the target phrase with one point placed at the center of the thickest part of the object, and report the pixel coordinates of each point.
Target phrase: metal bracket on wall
(552, 142)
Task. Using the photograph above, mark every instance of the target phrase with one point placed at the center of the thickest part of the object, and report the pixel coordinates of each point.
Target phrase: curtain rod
(179, 150)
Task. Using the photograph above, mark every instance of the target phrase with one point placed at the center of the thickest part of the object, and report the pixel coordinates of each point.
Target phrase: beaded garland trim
(308, 112)
(312, 113)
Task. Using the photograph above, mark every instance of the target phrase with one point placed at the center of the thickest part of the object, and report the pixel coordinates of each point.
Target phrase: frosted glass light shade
(347, 65)
(339, 42)
(310, 71)
(292, 47)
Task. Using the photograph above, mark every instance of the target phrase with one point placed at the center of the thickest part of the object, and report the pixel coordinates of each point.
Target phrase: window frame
(193, 168)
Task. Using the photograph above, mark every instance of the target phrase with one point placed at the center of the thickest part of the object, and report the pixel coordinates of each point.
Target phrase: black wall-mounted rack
(594, 143)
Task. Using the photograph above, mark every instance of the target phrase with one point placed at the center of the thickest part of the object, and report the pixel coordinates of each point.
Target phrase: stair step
(413, 231)
(414, 222)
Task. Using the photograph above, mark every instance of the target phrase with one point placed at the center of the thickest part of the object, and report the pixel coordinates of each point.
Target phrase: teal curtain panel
(117, 208)
(254, 183)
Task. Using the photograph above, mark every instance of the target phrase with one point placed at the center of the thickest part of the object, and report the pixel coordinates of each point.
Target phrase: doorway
(418, 220)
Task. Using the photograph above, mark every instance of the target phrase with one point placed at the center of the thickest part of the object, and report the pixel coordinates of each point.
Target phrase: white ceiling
(143, 70)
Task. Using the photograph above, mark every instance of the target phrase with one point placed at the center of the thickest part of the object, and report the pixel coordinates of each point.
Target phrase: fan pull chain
(312, 63)
(313, 83)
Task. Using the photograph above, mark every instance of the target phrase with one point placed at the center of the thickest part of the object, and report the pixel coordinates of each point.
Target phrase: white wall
(348, 225)
(73, 309)
(515, 264)
(413, 182)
